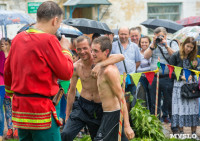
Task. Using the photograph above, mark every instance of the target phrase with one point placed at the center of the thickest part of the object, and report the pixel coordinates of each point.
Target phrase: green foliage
(131, 98)
(147, 127)
(85, 138)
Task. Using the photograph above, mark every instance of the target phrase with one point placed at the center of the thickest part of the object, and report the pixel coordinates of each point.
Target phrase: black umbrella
(170, 26)
(69, 31)
(88, 26)
(66, 30)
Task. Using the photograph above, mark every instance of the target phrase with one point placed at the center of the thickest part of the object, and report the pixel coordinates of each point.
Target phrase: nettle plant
(147, 127)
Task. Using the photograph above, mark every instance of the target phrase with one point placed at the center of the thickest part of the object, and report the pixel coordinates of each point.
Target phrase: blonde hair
(193, 53)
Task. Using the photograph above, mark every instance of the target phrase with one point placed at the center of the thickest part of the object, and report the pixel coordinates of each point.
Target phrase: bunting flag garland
(121, 76)
(197, 73)
(128, 80)
(158, 64)
(187, 73)
(171, 69)
(79, 85)
(177, 71)
(136, 77)
(150, 76)
(163, 67)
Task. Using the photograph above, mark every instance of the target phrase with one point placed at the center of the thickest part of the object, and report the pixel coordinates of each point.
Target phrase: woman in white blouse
(144, 43)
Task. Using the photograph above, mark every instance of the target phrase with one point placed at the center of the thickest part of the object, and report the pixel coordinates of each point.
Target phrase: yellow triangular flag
(177, 71)
(157, 70)
(136, 77)
(121, 76)
(79, 85)
(197, 73)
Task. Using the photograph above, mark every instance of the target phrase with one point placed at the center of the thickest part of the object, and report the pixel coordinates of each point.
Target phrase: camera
(159, 39)
(58, 35)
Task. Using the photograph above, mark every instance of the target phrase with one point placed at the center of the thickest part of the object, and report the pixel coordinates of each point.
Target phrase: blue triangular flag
(187, 73)
(163, 67)
(128, 80)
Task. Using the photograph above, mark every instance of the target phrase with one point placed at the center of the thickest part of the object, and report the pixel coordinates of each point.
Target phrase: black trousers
(84, 113)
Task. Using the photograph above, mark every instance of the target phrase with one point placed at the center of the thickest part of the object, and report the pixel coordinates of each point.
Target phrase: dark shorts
(109, 128)
(84, 113)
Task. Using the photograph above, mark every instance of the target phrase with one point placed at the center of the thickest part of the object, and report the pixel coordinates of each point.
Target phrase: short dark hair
(48, 10)
(104, 43)
(6, 40)
(95, 35)
(81, 38)
(74, 53)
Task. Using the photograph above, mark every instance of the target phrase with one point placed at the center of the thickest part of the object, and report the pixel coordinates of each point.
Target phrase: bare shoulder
(111, 71)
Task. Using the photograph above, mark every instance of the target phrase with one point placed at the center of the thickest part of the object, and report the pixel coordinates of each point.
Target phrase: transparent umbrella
(189, 31)
(11, 17)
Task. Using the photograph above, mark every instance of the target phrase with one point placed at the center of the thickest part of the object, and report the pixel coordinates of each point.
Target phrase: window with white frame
(171, 11)
(2, 6)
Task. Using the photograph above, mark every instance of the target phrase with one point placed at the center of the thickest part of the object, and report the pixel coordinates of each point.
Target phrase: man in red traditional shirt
(35, 62)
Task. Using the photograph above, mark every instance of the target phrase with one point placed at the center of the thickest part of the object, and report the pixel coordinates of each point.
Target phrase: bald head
(123, 28)
(123, 34)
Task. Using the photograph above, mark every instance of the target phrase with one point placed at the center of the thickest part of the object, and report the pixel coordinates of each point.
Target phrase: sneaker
(15, 135)
(9, 134)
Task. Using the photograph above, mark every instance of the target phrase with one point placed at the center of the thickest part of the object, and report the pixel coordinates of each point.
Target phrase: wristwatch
(152, 48)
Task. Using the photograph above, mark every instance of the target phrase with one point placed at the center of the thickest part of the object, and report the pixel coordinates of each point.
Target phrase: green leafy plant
(147, 127)
(85, 138)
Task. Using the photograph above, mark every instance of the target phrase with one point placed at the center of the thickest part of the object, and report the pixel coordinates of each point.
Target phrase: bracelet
(152, 48)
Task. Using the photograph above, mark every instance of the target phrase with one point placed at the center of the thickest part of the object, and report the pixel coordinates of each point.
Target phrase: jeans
(199, 107)
(2, 94)
(8, 112)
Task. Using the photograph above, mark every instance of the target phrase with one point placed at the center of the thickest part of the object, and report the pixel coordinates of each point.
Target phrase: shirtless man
(110, 91)
(88, 109)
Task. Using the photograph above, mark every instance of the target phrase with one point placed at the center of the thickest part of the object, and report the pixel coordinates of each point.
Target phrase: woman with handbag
(184, 111)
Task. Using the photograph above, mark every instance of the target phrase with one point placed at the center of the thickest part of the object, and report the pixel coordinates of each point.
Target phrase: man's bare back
(108, 98)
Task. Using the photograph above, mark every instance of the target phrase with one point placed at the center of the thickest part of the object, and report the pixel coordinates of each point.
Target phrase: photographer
(162, 48)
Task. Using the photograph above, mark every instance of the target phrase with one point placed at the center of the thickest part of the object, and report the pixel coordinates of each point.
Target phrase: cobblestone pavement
(187, 130)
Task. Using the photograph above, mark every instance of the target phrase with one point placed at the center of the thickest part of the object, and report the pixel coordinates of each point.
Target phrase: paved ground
(187, 130)
(166, 130)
